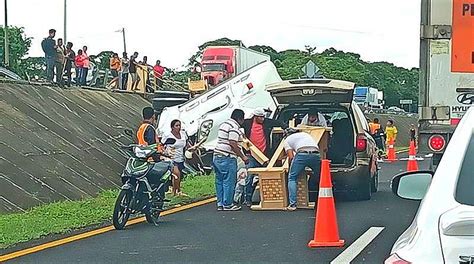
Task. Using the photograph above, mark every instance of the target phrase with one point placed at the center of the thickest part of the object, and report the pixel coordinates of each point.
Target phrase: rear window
(465, 186)
(330, 114)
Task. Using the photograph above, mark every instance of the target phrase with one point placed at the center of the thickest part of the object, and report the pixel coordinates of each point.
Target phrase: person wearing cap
(302, 151)
(258, 130)
(314, 118)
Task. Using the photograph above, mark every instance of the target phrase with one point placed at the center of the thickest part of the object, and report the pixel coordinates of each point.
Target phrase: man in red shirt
(158, 72)
(258, 130)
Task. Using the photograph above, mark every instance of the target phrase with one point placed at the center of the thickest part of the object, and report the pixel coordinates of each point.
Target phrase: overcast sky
(379, 30)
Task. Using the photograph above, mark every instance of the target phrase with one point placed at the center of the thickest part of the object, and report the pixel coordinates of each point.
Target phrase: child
(240, 186)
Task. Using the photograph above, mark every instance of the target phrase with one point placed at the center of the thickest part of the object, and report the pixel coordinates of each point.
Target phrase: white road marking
(355, 248)
(417, 158)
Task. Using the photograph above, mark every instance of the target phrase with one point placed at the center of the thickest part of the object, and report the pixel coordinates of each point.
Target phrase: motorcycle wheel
(153, 215)
(121, 209)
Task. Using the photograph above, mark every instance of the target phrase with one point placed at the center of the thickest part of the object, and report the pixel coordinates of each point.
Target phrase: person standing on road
(258, 130)
(377, 133)
(178, 149)
(413, 134)
(48, 46)
(302, 151)
(225, 160)
(60, 62)
(70, 57)
(125, 62)
(391, 132)
(314, 118)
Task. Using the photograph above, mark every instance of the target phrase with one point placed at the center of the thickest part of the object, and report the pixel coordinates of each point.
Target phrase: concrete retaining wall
(58, 144)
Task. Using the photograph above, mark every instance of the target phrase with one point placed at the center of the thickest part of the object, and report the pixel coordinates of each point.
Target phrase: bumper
(345, 180)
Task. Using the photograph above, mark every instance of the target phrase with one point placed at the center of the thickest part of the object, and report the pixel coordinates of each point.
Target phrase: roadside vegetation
(62, 217)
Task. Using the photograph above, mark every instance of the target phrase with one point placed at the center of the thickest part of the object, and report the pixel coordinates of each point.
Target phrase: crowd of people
(122, 68)
(301, 149)
(233, 186)
(60, 60)
(384, 137)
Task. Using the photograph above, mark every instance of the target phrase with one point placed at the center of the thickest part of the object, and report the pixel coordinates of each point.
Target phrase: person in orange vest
(146, 133)
(378, 134)
(374, 126)
(146, 136)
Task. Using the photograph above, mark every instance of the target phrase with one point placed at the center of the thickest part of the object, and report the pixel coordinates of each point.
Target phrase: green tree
(19, 45)
(396, 82)
(33, 68)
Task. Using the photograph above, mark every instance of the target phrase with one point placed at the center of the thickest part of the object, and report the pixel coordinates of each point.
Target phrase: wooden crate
(273, 180)
(273, 190)
(302, 194)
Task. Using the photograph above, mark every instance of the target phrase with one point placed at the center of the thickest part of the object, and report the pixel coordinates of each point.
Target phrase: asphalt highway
(202, 234)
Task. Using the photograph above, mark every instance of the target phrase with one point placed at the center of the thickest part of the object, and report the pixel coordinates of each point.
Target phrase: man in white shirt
(314, 118)
(302, 151)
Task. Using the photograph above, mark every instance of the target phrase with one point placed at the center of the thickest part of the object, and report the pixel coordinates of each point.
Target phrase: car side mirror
(411, 185)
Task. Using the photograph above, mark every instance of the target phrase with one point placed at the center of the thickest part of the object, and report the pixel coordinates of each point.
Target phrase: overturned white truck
(204, 113)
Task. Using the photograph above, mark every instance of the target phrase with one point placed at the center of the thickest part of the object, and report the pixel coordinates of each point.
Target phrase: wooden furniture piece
(273, 179)
(302, 195)
(273, 191)
(254, 151)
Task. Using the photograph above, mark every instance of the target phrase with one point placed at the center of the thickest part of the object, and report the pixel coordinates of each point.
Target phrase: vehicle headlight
(205, 128)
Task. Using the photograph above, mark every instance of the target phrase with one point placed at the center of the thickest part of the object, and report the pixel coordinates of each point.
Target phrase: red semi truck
(222, 62)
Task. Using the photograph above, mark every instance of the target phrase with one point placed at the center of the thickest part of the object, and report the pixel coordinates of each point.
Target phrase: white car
(443, 228)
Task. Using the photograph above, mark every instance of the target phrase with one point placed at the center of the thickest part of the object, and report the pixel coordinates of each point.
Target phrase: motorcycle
(142, 181)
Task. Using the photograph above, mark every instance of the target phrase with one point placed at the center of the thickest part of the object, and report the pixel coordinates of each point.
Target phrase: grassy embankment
(62, 217)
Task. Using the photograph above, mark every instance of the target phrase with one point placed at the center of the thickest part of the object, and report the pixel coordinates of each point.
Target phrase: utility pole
(65, 24)
(124, 43)
(5, 30)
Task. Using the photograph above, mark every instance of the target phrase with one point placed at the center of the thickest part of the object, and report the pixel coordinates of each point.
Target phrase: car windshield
(465, 186)
(213, 67)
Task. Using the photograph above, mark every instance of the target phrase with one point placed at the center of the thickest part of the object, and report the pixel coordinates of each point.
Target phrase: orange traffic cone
(412, 164)
(326, 231)
(391, 151)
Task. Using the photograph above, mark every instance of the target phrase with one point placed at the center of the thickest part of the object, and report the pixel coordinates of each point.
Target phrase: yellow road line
(66, 240)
